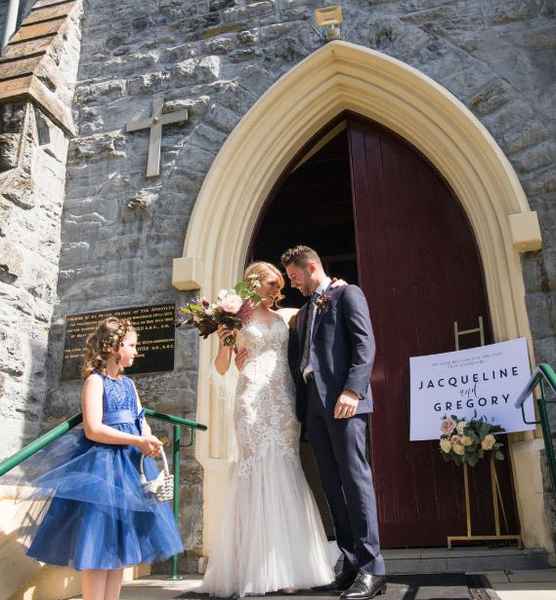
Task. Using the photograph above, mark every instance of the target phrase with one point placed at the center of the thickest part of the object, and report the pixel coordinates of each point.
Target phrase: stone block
(205, 69)
(510, 118)
(248, 37)
(545, 350)
(395, 37)
(12, 360)
(98, 147)
(249, 12)
(535, 157)
(541, 182)
(494, 95)
(526, 233)
(114, 88)
(221, 118)
(256, 79)
(149, 83)
(11, 262)
(530, 134)
(207, 138)
(9, 151)
(542, 314)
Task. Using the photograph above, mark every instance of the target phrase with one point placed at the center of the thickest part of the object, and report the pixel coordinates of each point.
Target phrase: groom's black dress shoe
(342, 582)
(365, 587)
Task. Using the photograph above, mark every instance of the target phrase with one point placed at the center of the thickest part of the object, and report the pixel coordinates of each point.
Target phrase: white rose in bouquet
(445, 445)
(488, 442)
(459, 449)
(231, 303)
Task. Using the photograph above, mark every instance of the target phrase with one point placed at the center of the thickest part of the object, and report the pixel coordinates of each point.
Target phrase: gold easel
(497, 500)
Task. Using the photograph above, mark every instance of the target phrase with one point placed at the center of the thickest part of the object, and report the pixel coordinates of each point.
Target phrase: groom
(331, 356)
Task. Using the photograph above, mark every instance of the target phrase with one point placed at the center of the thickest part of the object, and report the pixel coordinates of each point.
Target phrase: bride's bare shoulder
(288, 314)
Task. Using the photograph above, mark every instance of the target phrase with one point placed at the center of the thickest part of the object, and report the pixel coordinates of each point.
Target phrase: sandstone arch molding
(342, 76)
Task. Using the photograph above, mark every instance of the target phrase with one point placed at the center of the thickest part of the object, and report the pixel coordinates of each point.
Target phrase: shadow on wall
(20, 576)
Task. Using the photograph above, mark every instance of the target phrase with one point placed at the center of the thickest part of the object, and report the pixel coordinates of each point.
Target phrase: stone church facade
(82, 228)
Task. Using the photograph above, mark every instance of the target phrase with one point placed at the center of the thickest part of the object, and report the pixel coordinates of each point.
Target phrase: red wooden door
(419, 268)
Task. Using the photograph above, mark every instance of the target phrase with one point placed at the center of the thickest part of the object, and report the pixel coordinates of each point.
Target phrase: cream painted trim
(187, 273)
(526, 231)
(342, 76)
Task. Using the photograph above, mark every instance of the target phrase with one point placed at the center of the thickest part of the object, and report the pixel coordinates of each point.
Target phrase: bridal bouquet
(463, 441)
(231, 309)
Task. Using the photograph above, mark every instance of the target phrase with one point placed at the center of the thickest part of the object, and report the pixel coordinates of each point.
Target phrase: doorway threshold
(470, 559)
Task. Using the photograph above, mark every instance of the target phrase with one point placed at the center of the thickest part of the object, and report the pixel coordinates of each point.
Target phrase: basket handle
(142, 465)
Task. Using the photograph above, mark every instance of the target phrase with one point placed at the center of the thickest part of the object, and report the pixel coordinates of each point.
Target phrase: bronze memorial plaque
(155, 327)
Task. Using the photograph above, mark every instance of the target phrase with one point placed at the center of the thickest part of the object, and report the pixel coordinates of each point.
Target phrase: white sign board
(483, 381)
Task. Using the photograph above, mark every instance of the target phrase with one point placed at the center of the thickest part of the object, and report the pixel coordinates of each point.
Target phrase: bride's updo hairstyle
(261, 270)
(108, 336)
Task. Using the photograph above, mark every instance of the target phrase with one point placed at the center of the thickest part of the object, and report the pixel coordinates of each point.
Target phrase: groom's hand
(346, 405)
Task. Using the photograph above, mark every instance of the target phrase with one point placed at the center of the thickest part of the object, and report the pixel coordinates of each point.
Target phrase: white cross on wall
(155, 124)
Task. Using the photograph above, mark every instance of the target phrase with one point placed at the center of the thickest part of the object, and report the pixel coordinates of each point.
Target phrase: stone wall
(33, 152)
(120, 231)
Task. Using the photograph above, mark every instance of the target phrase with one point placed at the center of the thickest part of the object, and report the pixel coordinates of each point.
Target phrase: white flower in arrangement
(231, 303)
(445, 445)
(488, 442)
(222, 294)
(461, 426)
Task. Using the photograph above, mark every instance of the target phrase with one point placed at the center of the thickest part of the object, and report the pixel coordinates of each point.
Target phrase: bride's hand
(241, 358)
(223, 332)
(338, 282)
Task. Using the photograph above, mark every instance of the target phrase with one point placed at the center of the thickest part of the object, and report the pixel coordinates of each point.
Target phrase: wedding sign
(483, 381)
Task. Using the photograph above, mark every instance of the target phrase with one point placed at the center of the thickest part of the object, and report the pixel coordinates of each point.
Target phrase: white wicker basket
(162, 487)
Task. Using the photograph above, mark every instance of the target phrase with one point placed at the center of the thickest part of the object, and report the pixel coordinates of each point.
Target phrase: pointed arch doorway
(380, 215)
(342, 76)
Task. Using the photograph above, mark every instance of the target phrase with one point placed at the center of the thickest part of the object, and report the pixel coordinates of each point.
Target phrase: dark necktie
(306, 356)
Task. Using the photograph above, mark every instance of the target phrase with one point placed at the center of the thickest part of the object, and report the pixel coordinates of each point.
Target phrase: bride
(271, 537)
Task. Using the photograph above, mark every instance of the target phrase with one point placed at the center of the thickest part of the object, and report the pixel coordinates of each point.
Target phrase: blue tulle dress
(97, 515)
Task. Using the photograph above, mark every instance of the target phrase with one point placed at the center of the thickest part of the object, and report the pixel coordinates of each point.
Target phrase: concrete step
(539, 584)
(409, 572)
(464, 560)
(527, 585)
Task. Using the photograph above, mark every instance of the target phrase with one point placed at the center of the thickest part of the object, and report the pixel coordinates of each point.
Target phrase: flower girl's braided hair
(107, 337)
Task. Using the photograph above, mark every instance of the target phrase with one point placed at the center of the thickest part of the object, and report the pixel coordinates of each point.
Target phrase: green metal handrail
(57, 432)
(543, 375)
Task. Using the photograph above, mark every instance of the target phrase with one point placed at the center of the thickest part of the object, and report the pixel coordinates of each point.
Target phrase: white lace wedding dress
(271, 536)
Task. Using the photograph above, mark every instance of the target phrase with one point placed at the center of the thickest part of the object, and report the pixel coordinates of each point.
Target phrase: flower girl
(98, 519)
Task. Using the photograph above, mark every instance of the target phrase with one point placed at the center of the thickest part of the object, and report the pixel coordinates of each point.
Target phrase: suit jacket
(342, 350)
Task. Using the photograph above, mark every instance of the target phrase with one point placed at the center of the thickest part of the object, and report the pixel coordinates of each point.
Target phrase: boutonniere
(322, 303)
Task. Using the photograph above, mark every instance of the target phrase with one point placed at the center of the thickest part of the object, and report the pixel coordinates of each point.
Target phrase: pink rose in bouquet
(447, 426)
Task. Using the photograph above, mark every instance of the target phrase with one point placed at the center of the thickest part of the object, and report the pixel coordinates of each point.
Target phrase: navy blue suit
(342, 356)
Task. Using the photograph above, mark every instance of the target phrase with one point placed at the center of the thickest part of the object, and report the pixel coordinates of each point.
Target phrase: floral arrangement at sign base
(467, 442)
(232, 309)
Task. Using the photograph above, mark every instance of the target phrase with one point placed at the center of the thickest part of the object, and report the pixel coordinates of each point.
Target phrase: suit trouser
(340, 450)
